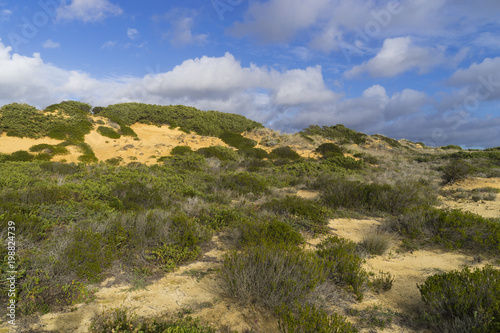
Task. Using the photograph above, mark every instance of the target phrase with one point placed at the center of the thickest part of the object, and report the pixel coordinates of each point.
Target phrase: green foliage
(170, 256)
(394, 199)
(453, 229)
(455, 170)
(237, 140)
(285, 153)
(244, 183)
(270, 275)
(338, 132)
(18, 156)
(88, 155)
(257, 153)
(342, 263)
(382, 282)
(451, 147)
(114, 161)
(220, 152)
(309, 319)
(374, 316)
(346, 162)
(391, 142)
(108, 132)
(51, 149)
(187, 162)
(120, 320)
(272, 232)
(463, 301)
(210, 123)
(181, 150)
(87, 255)
(329, 150)
(306, 214)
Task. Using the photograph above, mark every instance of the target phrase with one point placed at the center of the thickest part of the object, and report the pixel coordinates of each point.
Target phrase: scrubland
(141, 218)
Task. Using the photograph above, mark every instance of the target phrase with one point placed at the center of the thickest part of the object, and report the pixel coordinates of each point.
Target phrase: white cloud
(88, 10)
(5, 14)
(399, 55)
(182, 34)
(50, 44)
(132, 33)
(109, 45)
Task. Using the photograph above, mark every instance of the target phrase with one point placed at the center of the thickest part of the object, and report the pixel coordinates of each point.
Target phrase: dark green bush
(244, 183)
(237, 140)
(347, 163)
(220, 152)
(455, 170)
(304, 213)
(270, 275)
(463, 301)
(108, 132)
(51, 149)
(170, 256)
(309, 319)
(20, 156)
(87, 255)
(330, 150)
(453, 229)
(185, 162)
(257, 153)
(451, 147)
(181, 150)
(285, 153)
(272, 232)
(338, 132)
(342, 263)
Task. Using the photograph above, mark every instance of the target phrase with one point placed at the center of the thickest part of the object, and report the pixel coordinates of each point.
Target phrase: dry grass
(377, 243)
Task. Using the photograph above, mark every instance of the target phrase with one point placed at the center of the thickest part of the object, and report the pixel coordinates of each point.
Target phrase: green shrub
(347, 163)
(185, 162)
(51, 149)
(108, 132)
(342, 263)
(114, 161)
(451, 147)
(455, 170)
(20, 156)
(87, 255)
(220, 152)
(270, 275)
(257, 153)
(285, 153)
(217, 217)
(304, 213)
(120, 320)
(338, 132)
(244, 183)
(309, 319)
(329, 150)
(382, 282)
(170, 256)
(453, 229)
(237, 140)
(463, 301)
(272, 232)
(181, 150)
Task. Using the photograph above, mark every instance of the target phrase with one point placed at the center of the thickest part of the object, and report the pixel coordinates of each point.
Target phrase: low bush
(309, 319)
(257, 153)
(338, 132)
(272, 232)
(453, 229)
(463, 301)
(455, 170)
(121, 320)
(244, 183)
(344, 162)
(343, 265)
(185, 162)
(285, 153)
(306, 214)
(170, 256)
(270, 275)
(108, 132)
(51, 149)
(382, 282)
(181, 150)
(237, 140)
(220, 152)
(329, 150)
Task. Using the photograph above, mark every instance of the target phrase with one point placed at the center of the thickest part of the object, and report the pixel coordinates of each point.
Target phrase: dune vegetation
(80, 224)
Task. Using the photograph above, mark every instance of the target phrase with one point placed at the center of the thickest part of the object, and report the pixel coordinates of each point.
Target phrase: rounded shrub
(244, 182)
(220, 152)
(329, 150)
(181, 150)
(270, 275)
(455, 170)
(108, 132)
(463, 301)
(285, 153)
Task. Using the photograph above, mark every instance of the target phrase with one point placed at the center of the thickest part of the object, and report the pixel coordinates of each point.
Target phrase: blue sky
(425, 70)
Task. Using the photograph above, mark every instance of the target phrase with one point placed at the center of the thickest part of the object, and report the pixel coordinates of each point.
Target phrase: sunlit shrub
(108, 132)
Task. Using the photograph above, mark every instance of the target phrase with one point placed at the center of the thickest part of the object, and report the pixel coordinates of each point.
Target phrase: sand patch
(10, 144)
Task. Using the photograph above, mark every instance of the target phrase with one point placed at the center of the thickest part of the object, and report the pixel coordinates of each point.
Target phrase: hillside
(168, 218)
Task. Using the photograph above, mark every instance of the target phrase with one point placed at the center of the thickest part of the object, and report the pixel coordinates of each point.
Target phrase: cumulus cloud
(398, 55)
(87, 10)
(182, 33)
(50, 44)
